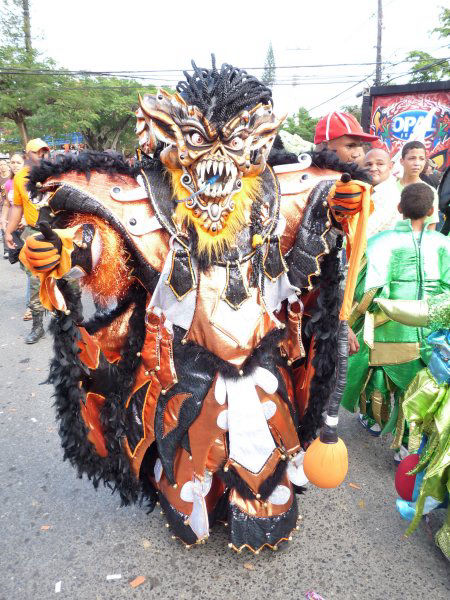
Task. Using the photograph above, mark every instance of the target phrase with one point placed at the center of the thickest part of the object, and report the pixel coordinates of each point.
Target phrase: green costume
(399, 265)
(426, 407)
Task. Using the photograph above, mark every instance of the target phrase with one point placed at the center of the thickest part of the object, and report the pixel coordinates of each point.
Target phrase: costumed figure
(408, 262)
(422, 478)
(197, 385)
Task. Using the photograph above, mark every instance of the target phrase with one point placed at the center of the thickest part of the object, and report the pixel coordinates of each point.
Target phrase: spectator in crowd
(386, 194)
(5, 175)
(431, 175)
(407, 263)
(16, 162)
(414, 161)
(341, 133)
(22, 206)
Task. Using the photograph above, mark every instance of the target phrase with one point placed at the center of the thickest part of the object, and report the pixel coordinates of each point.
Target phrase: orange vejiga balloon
(326, 465)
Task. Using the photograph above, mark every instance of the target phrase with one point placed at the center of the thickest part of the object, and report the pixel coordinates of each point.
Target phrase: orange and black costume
(205, 376)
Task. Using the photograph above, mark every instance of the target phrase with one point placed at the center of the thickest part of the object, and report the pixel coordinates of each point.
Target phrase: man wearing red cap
(341, 133)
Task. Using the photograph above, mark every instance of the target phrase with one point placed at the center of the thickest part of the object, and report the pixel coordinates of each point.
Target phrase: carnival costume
(422, 479)
(398, 265)
(197, 386)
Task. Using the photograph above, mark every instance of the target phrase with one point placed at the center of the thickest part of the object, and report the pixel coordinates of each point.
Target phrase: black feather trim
(267, 486)
(85, 162)
(326, 159)
(324, 326)
(279, 155)
(66, 371)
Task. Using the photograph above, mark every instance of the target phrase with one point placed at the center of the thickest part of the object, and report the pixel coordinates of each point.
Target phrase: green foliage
(268, 77)
(101, 109)
(302, 124)
(37, 100)
(352, 109)
(426, 67)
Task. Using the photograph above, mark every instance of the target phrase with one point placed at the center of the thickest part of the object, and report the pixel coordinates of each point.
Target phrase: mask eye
(195, 138)
(236, 143)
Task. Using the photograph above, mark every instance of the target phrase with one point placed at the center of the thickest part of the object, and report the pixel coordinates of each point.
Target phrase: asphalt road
(56, 530)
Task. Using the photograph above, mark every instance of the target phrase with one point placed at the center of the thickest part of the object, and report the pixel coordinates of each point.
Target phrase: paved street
(57, 528)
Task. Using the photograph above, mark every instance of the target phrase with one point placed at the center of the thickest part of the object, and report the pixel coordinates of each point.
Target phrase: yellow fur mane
(235, 222)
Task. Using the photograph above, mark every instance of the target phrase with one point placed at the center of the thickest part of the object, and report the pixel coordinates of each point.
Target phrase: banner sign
(422, 116)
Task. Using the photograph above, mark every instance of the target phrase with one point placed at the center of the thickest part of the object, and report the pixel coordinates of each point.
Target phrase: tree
(268, 76)
(41, 100)
(101, 109)
(21, 92)
(302, 124)
(353, 109)
(426, 67)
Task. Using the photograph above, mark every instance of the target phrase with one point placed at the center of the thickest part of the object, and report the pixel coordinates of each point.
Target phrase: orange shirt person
(35, 150)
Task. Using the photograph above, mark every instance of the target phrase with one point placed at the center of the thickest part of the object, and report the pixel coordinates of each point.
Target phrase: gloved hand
(43, 251)
(345, 197)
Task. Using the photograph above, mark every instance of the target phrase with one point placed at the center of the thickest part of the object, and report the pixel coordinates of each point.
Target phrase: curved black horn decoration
(328, 434)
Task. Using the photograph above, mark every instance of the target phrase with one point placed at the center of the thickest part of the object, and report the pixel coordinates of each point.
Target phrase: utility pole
(379, 31)
(27, 28)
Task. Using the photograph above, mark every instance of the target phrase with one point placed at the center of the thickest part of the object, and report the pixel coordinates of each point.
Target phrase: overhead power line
(409, 72)
(141, 73)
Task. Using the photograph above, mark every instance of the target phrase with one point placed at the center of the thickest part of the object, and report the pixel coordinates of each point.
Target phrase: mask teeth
(225, 170)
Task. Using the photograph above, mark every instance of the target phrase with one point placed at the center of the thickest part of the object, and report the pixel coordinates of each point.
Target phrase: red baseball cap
(337, 124)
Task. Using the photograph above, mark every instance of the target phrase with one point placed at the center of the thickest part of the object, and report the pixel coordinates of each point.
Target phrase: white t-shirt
(386, 197)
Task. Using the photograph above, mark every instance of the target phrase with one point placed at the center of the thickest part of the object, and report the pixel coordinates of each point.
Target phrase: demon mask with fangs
(218, 129)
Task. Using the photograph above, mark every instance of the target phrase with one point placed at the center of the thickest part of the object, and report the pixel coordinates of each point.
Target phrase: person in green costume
(426, 407)
(408, 263)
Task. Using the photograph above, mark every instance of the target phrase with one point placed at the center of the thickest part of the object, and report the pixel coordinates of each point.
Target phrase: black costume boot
(37, 331)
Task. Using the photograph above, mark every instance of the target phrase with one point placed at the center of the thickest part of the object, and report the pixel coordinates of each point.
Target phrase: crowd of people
(407, 260)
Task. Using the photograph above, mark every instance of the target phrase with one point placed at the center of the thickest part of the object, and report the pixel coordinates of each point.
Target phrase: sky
(153, 35)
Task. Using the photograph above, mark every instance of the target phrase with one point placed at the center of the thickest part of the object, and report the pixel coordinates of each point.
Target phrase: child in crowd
(414, 163)
(409, 263)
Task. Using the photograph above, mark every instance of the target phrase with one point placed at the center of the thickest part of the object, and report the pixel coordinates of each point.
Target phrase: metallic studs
(190, 457)
(67, 312)
(241, 372)
(157, 368)
(325, 203)
(283, 457)
(174, 537)
(327, 224)
(147, 373)
(83, 245)
(167, 525)
(161, 512)
(258, 496)
(163, 392)
(138, 354)
(175, 485)
(290, 538)
(183, 341)
(281, 326)
(226, 469)
(230, 545)
(297, 528)
(289, 362)
(275, 548)
(266, 504)
(310, 287)
(152, 373)
(256, 551)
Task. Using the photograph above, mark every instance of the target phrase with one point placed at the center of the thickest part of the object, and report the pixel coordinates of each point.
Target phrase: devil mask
(218, 129)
